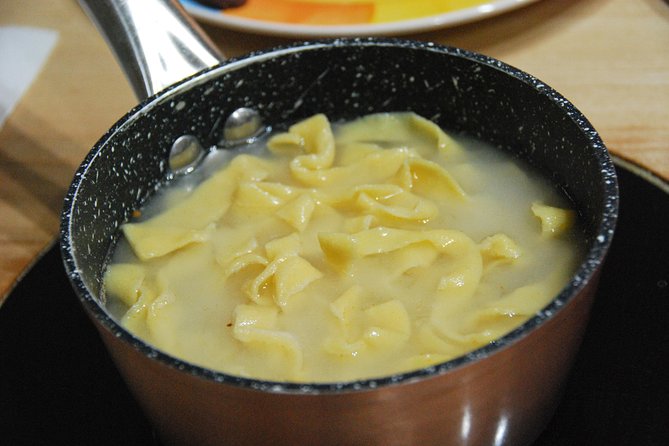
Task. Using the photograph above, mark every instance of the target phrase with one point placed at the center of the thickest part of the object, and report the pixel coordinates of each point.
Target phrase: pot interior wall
(461, 92)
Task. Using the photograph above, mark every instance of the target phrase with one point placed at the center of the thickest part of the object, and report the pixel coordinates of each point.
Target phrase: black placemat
(59, 386)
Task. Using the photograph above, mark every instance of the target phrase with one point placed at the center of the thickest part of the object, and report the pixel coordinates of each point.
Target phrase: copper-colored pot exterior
(505, 398)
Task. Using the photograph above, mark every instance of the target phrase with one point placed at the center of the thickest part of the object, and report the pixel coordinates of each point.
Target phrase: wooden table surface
(609, 57)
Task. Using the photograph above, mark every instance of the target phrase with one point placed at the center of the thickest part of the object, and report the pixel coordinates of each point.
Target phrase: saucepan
(502, 393)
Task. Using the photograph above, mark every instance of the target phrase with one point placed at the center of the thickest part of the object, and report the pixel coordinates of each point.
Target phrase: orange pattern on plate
(304, 12)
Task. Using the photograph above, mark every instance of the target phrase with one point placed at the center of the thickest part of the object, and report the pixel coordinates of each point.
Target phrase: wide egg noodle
(484, 325)
(185, 318)
(312, 140)
(134, 318)
(190, 220)
(388, 325)
(394, 130)
(554, 221)
(254, 198)
(124, 281)
(298, 211)
(286, 274)
(348, 310)
(131, 284)
(236, 250)
(499, 249)
(342, 248)
(429, 179)
(379, 328)
(255, 326)
(402, 205)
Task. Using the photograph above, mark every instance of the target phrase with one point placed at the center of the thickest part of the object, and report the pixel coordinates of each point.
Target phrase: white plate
(418, 24)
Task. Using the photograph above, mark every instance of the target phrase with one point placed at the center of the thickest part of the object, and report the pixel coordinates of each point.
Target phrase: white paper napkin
(23, 51)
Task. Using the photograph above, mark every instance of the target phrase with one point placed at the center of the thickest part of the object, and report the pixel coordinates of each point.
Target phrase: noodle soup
(340, 252)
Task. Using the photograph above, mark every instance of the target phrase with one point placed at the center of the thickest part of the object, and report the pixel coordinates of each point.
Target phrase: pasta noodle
(357, 250)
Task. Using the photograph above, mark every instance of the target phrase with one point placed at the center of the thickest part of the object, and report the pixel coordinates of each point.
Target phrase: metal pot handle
(155, 41)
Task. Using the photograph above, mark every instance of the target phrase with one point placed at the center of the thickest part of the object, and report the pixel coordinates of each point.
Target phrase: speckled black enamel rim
(591, 263)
